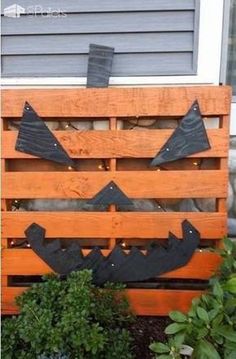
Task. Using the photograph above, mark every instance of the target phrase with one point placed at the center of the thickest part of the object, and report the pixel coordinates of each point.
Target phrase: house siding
(151, 38)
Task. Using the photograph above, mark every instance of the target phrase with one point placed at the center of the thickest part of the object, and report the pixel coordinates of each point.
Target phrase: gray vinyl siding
(150, 37)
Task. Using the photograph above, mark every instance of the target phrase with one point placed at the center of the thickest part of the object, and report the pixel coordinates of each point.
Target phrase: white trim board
(233, 119)
(208, 64)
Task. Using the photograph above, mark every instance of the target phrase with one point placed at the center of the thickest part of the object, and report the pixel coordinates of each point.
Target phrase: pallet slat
(115, 225)
(116, 144)
(113, 102)
(142, 301)
(135, 184)
(201, 266)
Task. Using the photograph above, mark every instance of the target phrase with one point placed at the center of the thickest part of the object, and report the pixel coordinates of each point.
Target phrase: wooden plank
(160, 302)
(117, 102)
(135, 184)
(26, 262)
(114, 225)
(116, 144)
(142, 301)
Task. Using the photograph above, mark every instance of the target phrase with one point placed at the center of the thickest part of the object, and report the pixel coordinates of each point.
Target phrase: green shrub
(210, 325)
(69, 319)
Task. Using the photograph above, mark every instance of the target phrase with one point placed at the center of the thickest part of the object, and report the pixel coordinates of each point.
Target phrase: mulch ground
(146, 330)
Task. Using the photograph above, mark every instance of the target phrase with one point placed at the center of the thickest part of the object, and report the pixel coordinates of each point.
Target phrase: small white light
(159, 206)
(158, 169)
(16, 201)
(28, 245)
(55, 145)
(112, 264)
(27, 108)
(70, 168)
(111, 187)
(190, 231)
(167, 149)
(12, 243)
(195, 163)
(200, 250)
(195, 108)
(100, 167)
(123, 244)
(66, 126)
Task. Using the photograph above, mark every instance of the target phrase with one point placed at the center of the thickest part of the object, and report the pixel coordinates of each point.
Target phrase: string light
(67, 126)
(28, 245)
(70, 168)
(12, 243)
(195, 163)
(123, 244)
(158, 169)
(100, 167)
(15, 201)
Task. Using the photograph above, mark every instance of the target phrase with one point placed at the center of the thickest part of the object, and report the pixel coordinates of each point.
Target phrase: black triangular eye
(110, 194)
(189, 137)
(36, 139)
(99, 65)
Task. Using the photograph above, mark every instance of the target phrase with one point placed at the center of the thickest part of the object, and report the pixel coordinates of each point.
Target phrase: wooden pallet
(26, 177)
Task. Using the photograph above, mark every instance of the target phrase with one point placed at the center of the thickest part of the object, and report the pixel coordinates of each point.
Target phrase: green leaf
(164, 356)
(228, 244)
(174, 328)
(213, 313)
(179, 339)
(178, 316)
(231, 285)
(227, 333)
(205, 350)
(202, 314)
(201, 333)
(218, 291)
(159, 348)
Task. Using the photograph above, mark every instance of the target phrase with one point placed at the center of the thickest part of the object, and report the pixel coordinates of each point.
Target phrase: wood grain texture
(135, 184)
(116, 144)
(115, 225)
(143, 301)
(120, 102)
(201, 266)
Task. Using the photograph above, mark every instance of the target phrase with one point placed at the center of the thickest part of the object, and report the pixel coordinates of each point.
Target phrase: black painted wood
(110, 194)
(189, 137)
(117, 266)
(99, 65)
(36, 139)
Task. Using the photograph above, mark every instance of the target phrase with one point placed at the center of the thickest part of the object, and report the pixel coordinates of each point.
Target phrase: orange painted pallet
(127, 154)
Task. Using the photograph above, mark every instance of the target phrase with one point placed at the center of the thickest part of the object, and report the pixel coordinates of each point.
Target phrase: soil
(146, 330)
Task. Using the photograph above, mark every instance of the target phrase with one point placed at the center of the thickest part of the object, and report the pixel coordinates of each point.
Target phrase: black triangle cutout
(189, 137)
(110, 194)
(36, 139)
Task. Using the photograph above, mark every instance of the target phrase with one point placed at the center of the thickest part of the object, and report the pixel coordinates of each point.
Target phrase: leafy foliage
(69, 319)
(210, 325)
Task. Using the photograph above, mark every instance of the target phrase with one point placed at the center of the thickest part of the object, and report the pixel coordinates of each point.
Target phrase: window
(231, 62)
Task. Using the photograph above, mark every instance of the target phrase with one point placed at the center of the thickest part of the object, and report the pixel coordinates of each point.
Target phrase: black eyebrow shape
(188, 138)
(35, 138)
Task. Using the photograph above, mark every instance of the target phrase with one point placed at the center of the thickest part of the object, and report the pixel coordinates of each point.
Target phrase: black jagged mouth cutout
(110, 194)
(35, 138)
(188, 138)
(118, 266)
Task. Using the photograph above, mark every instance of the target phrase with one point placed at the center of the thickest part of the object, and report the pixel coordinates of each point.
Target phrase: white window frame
(208, 64)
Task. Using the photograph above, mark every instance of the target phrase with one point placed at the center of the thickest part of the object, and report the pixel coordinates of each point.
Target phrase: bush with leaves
(69, 319)
(210, 325)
